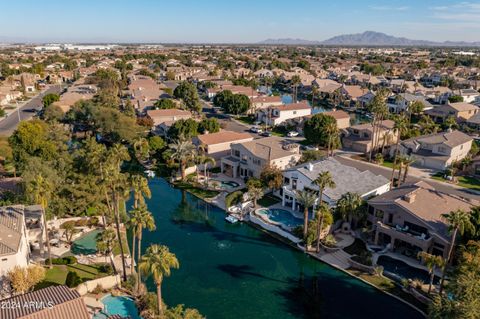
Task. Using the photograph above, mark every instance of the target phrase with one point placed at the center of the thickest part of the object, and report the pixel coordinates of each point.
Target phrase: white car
(311, 148)
(292, 134)
(255, 129)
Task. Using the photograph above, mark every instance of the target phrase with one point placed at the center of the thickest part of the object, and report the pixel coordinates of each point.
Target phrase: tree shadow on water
(244, 271)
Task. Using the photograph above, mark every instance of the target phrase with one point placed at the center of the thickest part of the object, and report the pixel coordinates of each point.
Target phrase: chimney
(410, 197)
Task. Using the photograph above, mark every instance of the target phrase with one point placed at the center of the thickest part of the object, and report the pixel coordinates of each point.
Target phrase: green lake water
(237, 271)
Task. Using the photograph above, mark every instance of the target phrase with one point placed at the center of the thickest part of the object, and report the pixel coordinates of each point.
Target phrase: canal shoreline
(291, 244)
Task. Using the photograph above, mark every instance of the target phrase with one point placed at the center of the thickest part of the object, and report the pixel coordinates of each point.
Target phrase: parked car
(255, 129)
(266, 134)
(311, 148)
(292, 134)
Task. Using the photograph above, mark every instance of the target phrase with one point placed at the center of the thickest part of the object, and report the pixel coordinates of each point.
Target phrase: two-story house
(409, 219)
(359, 137)
(437, 151)
(461, 111)
(346, 178)
(401, 102)
(278, 114)
(165, 118)
(249, 158)
(262, 102)
(469, 95)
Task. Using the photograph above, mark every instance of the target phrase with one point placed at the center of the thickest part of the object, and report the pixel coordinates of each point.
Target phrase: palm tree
(142, 149)
(348, 205)
(432, 262)
(458, 223)
(314, 93)
(407, 161)
(295, 81)
(183, 151)
(205, 161)
(40, 189)
(379, 109)
(466, 161)
(146, 220)
(324, 180)
(105, 241)
(140, 188)
(332, 132)
(255, 193)
(307, 199)
(158, 262)
(400, 127)
(133, 224)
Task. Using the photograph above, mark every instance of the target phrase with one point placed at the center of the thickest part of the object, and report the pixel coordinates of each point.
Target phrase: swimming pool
(87, 244)
(404, 270)
(226, 184)
(281, 216)
(121, 305)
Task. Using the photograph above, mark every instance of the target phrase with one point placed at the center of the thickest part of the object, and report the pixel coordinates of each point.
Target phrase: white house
(469, 95)
(278, 114)
(346, 178)
(14, 246)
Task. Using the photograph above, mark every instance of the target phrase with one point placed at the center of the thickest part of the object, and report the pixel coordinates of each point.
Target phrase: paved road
(380, 170)
(26, 111)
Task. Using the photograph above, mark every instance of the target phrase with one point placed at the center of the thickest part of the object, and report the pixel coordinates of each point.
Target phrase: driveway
(26, 111)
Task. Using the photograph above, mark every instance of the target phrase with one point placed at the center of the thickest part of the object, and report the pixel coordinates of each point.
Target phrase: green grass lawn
(199, 192)
(268, 200)
(116, 248)
(246, 119)
(58, 274)
(463, 181)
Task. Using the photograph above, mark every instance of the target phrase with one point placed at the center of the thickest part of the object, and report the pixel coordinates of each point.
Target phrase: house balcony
(423, 241)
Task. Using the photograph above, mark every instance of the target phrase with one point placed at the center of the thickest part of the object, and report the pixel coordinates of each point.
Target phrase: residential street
(380, 170)
(26, 111)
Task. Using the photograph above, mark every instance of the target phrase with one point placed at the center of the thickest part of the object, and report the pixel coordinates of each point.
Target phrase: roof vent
(310, 167)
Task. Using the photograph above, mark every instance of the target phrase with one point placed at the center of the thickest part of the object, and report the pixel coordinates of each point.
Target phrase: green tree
(271, 177)
(188, 93)
(209, 125)
(294, 83)
(323, 181)
(348, 205)
(315, 130)
(158, 262)
(165, 104)
(183, 129)
(50, 98)
(53, 113)
(72, 280)
(105, 242)
(458, 223)
(400, 128)
(307, 199)
(431, 262)
(182, 152)
(232, 103)
(455, 99)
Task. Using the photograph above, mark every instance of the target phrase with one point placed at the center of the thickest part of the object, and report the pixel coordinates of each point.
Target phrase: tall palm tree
(400, 127)
(205, 161)
(40, 189)
(458, 223)
(295, 81)
(105, 241)
(314, 93)
(140, 188)
(379, 109)
(431, 262)
(348, 205)
(158, 262)
(255, 193)
(183, 151)
(332, 132)
(307, 199)
(323, 181)
(407, 161)
(145, 221)
(133, 224)
(142, 149)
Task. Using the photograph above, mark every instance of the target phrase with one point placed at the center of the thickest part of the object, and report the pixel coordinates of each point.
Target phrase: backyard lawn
(246, 119)
(268, 200)
(199, 192)
(58, 274)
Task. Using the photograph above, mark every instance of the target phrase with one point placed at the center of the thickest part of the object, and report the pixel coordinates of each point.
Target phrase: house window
(294, 184)
(256, 161)
(442, 149)
(294, 112)
(390, 218)
(286, 181)
(236, 153)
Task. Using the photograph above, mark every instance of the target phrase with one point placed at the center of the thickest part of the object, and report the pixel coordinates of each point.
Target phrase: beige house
(248, 159)
(437, 151)
(409, 219)
(278, 114)
(461, 111)
(262, 102)
(359, 137)
(218, 144)
(168, 115)
(342, 117)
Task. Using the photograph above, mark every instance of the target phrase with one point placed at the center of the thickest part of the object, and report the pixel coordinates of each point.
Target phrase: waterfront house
(400, 103)
(437, 151)
(263, 102)
(217, 145)
(54, 302)
(409, 219)
(247, 159)
(342, 118)
(278, 114)
(346, 178)
(359, 137)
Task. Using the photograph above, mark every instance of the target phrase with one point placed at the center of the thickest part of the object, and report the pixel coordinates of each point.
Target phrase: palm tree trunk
(205, 175)
(405, 173)
(139, 252)
(305, 227)
(395, 160)
(182, 169)
(319, 222)
(159, 300)
(400, 166)
(132, 256)
(47, 238)
(432, 275)
(450, 250)
(117, 226)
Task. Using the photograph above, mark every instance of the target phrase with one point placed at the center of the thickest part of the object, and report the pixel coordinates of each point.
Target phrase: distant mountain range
(368, 38)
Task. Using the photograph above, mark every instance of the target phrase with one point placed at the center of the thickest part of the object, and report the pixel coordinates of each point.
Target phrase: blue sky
(233, 20)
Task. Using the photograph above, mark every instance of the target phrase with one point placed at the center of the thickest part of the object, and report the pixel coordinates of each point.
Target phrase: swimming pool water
(282, 216)
(121, 305)
(404, 270)
(87, 244)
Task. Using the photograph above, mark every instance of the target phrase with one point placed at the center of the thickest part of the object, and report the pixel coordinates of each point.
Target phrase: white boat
(150, 173)
(231, 219)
